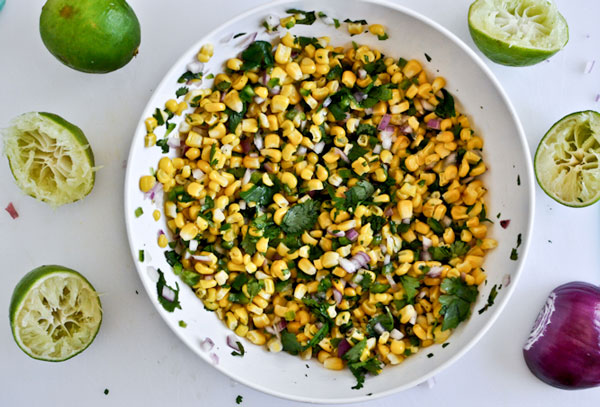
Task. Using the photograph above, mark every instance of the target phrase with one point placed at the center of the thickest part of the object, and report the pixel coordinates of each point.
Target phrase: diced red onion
(421, 295)
(338, 233)
(362, 74)
(348, 265)
(377, 149)
(207, 344)
(385, 120)
(258, 141)
(258, 100)
(268, 167)
(383, 248)
(597, 98)
(369, 111)
(446, 221)
(352, 234)
(506, 280)
(327, 102)
(249, 39)
(342, 155)
(590, 66)
(427, 106)
(343, 347)
(390, 280)
(168, 294)
(156, 189)
(195, 67)
(359, 96)
(201, 258)
(246, 144)
(12, 211)
(327, 20)
(396, 334)
(434, 272)
(275, 90)
(426, 243)
(389, 211)
(337, 296)
(318, 148)
(386, 139)
(214, 358)
(301, 150)
(272, 21)
(504, 223)
(425, 255)
(280, 326)
(247, 175)
(232, 342)
(434, 124)
(379, 328)
(277, 256)
(197, 173)
(406, 129)
(264, 79)
(406, 221)
(242, 204)
(174, 142)
(193, 245)
(160, 232)
(450, 160)
(386, 259)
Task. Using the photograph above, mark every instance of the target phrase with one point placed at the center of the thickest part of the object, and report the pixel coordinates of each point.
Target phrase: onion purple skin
(567, 354)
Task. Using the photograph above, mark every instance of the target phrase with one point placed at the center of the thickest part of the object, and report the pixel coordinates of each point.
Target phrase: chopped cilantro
(234, 118)
(445, 108)
(445, 253)
(160, 120)
(290, 343)
(242, 351)
(411, 287)
(223, 85)
(456, 302)
(161, 284)
(181, 91)
(258, 55)
(301, 217)
(383, 37)
(336, 22)
(435, 226)
(377, 223)
(360, 192)
(514, 254)
(361, 22)
(261, 194)
(490, 300)
(182, 324)
(188, 76)
(309, 16)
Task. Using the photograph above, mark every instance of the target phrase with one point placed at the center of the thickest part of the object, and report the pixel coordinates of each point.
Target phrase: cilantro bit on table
(106, 392)
(239, 399)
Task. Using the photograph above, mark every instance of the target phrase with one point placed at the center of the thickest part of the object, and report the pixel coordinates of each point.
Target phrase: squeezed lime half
(55, 313)
(567, 159)
(517, 32)
(50, 158)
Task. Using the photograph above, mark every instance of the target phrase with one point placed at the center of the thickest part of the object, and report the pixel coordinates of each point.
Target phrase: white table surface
(135, 355)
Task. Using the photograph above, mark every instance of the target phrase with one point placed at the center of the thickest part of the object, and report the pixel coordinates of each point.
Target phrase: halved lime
(55, 313)
(567, 159)
(517, 32)
(50, 158)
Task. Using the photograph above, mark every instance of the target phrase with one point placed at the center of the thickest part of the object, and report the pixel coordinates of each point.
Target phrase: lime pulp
(517, 32)
(567, 159)
(55, 313)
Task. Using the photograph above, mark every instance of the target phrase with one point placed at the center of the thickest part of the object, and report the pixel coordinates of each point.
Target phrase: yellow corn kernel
(147, 182)
(256, 337)
(282, 54)
(333, 363)
(162, 241)
(279, 104)
(355, 28)
(377, 29)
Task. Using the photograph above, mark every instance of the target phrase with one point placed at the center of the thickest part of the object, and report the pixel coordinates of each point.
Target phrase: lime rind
(55, 313)
(567, 160)
(517, 32)
(50, 158)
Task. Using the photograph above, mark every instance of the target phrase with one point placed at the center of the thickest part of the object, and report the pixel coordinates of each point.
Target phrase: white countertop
(135, 355)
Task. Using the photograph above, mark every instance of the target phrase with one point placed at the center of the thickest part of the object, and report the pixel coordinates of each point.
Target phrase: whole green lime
(55, 313)
(95, 36)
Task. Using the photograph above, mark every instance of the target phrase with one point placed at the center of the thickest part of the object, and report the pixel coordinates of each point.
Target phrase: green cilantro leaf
(301, 217)
(181, 91)
(445, 108)
(290, 342)
(258, 55)
(161, 285)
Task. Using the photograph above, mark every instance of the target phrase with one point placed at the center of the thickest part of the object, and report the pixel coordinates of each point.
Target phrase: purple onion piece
(232, 342)
(434, 124)
(385, 120)
(563, 348)
(343, 347)
(214, 358)
(337, 296)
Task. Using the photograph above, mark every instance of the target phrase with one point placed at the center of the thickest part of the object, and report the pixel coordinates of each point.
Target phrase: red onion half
(563, 348)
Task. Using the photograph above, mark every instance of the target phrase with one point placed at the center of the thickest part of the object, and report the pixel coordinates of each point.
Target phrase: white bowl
(477, 93)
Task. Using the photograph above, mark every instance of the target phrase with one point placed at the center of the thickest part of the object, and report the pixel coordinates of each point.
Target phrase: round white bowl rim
(526, 232)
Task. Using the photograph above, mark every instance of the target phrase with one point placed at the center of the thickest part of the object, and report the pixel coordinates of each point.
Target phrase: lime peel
(517, 32)
(50, 158)
(567, 160)
(55, 313)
